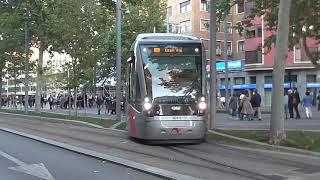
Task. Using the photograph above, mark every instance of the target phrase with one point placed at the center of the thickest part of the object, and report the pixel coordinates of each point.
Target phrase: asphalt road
(20, 152)
(203, 161)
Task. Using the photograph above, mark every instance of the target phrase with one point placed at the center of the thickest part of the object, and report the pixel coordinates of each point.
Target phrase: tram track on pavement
(194, 159)
(229, 168)
(256, 156)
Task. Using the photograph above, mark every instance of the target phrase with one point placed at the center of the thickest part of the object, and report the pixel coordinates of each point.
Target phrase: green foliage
(304, 21)
(83, 29)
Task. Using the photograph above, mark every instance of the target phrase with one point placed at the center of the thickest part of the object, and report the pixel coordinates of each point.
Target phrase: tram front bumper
(175, 129)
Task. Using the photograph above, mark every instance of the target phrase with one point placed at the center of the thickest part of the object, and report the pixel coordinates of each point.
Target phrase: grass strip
(122, 126)
(296, 139)
(97, 121)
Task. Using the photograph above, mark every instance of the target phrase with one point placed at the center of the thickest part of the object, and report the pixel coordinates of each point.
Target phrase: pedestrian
(307, 103)
(99, 104)
(256, 104)
(295, 102)
(51, 101)
(318, 98)
(285, 104)
(223, 101)
(290, 103)
(246, 107)
(241, 96)
(233, 105)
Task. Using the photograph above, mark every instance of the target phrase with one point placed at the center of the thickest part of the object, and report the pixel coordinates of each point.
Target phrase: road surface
(21, 158)
(203, 161)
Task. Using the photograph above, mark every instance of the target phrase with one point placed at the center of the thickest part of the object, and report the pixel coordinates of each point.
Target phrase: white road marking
(38, 170)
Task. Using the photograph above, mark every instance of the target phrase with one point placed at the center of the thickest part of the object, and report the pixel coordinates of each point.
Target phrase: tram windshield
(173, 72)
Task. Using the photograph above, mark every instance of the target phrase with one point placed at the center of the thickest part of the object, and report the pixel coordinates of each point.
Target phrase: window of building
(292, 78)
(229, 28)
(229, 46)
(253, 79)
(240, 46)
(259, 31)
(311, 78)
(204, 5)
(238, 24)
(268, 79)
(204, 25)
(240, 6)
(185, 26)
(248, 7)
(297, 53)
(253, 57)
(218, 27)
(185, 6)
(250, 34)
(223, 81)
(218, 48)
(170, 28)
(239, 80)
(169, 11)
(205, 44)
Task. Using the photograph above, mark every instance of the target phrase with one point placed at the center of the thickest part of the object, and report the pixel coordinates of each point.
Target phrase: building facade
(192, 17)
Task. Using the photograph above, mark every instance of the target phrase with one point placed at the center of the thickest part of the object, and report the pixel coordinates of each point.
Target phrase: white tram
(166, 89)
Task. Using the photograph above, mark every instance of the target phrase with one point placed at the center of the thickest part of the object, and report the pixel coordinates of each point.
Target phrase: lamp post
(118, 59)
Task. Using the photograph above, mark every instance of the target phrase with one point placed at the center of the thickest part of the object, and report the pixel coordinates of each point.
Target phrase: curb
(73, 122)
(266, 129)
(124, 162)
(55, 119)
(265, 144)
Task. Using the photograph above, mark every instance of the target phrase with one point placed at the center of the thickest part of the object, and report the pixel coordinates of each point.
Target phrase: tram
(166, 89)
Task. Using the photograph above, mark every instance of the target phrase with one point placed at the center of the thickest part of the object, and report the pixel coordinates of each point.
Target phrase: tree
(277, 133)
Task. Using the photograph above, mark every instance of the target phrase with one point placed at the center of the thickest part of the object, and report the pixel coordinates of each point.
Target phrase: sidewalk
(87, 112)
(224, 121)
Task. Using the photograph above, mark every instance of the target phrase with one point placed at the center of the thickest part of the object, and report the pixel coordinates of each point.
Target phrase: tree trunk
(213, 77)
(75, 101)
(277, 133)
(26, 79)
(39, 78)
(14, 100)
(1, 76)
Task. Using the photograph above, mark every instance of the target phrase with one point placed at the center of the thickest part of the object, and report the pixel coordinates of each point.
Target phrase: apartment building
(192, 17)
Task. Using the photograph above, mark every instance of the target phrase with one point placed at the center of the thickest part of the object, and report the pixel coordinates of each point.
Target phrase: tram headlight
(202, 105)
(147, 105)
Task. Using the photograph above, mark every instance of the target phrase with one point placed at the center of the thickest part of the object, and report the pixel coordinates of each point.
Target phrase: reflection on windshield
(168, 76)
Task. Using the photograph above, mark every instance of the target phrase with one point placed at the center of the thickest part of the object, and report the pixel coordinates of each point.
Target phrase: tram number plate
(176, 131)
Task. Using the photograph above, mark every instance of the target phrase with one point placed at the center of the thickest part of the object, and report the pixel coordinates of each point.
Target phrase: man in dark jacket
(295, 102)
(256, 103)
(99, 104)
(290, 103)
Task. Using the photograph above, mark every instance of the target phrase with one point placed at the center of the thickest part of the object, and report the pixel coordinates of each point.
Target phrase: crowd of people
(246, 106)
(61, 101)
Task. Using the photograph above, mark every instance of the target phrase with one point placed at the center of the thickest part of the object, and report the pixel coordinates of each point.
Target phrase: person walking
(99, 104)
(51, 100)
(246, 107)
(318, 98)
(285, 104)
(295, 102)
(290, 103)
(233, 105)
(307, 103)
(256, 104)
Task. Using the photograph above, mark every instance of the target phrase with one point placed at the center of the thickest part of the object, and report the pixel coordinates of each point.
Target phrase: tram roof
(160, 37)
